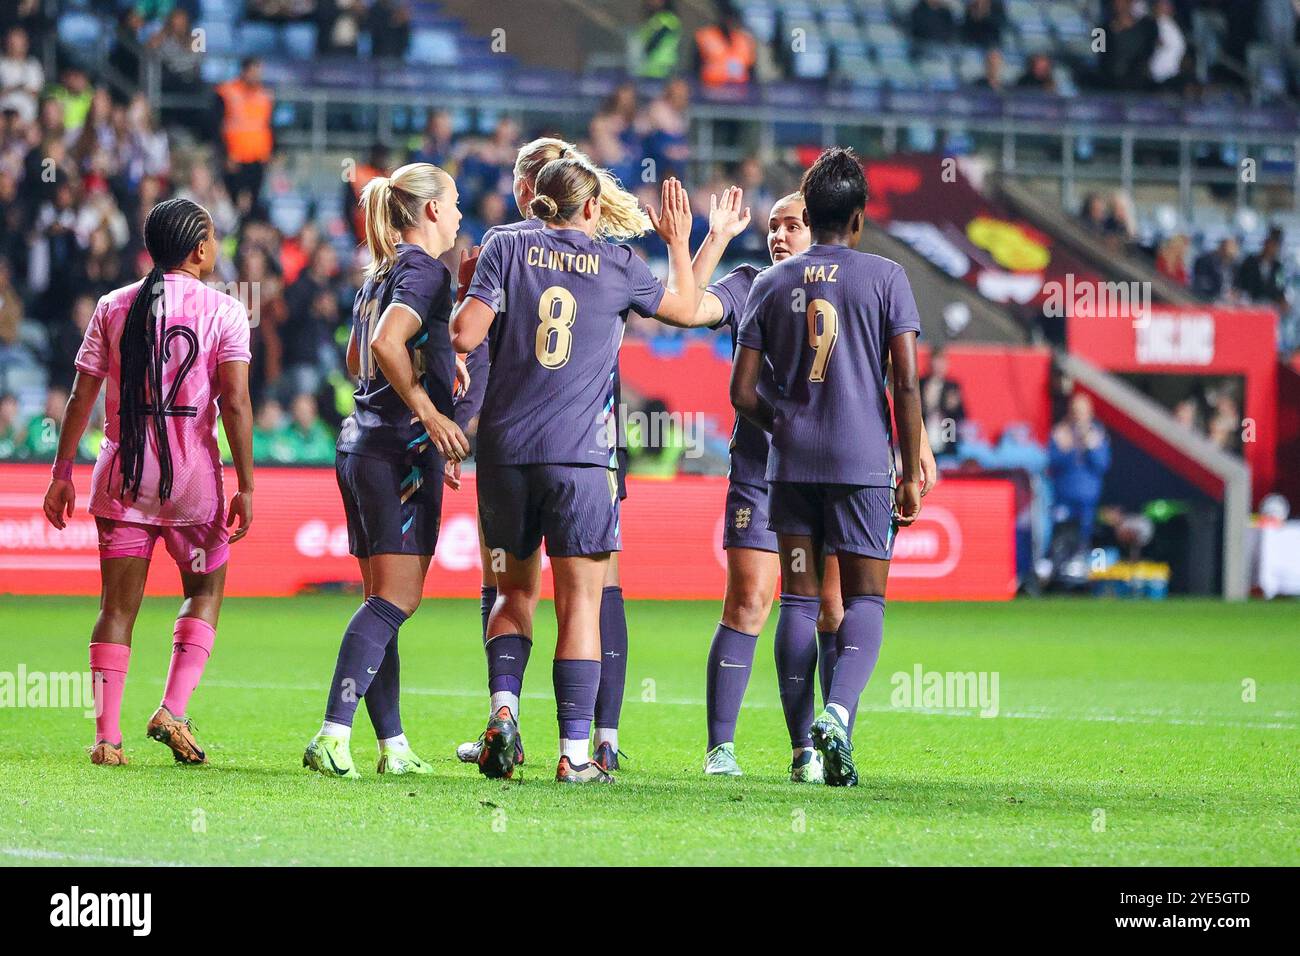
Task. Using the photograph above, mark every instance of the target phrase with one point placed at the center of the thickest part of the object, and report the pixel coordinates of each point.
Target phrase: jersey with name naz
(824, 319)
(554, 348)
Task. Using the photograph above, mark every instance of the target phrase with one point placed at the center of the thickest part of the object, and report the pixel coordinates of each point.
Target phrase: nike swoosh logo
(372, 670)
(725, 664)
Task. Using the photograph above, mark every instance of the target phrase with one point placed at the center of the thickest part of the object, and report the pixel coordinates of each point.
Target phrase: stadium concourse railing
(1230, 470)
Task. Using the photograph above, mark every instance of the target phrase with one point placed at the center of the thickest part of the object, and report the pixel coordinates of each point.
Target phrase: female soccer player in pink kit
(169, 347)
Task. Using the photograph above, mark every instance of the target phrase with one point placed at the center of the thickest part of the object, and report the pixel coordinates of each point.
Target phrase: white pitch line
(1149, 716)
(25, 853)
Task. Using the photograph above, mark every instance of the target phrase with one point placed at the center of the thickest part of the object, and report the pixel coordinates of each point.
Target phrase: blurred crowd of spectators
(80, 168)
(1148, 44)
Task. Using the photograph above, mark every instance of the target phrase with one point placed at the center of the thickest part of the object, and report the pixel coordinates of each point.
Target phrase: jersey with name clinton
(204, 329)
(554, 356)
(381, 426)
(823, 319)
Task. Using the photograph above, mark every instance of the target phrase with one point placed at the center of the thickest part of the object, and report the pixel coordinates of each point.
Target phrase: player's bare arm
(469, 324)
(237, 420)
(673, 224)
(61, 496)
(907, 418)
(744, 388)
(728, 218)
(396, 327)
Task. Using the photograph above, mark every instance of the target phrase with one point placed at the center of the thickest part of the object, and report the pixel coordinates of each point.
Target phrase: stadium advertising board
(961, 548)
(1196, 341)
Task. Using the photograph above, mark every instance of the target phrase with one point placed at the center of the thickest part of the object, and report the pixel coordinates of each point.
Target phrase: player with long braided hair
(169, 347)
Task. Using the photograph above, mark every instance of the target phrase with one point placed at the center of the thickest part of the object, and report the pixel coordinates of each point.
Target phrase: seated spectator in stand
(1170, 48)
(338, 27)
(725, 52)
(123, 56)
(75, 94)
(992, 79)
(1214, 272)
(667, 139)
(942, 406)
(1262, 277)
(436, 142)
(654, 48)
(21, 76)
(1078, 459)
(1039, 75)
(268, 426)
(1125, 63)
(389, 25)
(11, 435)
(983, 23)
(933, 22)
(65, 341)
(1171, 259)
(181, 63)
(310, 439)
(42, 439)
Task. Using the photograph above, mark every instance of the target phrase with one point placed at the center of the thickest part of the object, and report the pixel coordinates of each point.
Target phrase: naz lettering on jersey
(821, 273)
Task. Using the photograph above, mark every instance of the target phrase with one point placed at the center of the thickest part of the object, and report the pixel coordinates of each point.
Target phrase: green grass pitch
(1122, 738)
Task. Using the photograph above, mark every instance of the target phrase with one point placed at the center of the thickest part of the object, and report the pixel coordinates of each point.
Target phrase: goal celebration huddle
(828, 459)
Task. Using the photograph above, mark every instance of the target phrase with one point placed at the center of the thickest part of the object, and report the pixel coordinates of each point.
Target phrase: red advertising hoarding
(1192, 341)
(962, 548)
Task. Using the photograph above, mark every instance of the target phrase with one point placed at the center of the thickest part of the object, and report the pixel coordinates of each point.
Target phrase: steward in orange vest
(726, 50)
(246, 125)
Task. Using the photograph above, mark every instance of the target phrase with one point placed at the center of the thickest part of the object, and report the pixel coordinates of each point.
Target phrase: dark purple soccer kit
(823, 320)
(746, 508)
(470, 404)
(389, 473)
(546, 448)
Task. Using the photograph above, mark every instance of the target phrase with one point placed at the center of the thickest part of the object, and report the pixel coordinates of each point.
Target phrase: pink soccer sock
(191, 647)
(108, 663)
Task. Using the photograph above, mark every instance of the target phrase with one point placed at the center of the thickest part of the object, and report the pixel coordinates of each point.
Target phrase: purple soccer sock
(613, 658)
(383, 702)
(861, 633)
(731, 659)
(576, 684)
(796, 664)
(507, 656)
(487, 600)
(361, 654)
(828, 652)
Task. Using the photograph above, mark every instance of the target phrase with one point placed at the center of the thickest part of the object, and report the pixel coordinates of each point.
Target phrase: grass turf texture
(1131, 710)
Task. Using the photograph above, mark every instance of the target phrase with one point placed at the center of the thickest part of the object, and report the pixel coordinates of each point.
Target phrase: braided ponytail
(172, 230)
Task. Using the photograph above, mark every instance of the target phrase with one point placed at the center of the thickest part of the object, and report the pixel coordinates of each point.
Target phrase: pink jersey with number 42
(205, 327)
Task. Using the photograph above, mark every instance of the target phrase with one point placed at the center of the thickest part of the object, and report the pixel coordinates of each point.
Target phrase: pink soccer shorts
(194, 547)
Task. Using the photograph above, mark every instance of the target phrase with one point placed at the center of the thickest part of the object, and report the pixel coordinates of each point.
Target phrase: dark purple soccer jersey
(823, 319)
(471, 403)
(749, 443)
(381, 426)
(554, 348)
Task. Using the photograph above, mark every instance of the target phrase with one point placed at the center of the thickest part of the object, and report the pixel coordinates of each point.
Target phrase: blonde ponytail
(394, 203)
(621, 216)
(376, 200)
